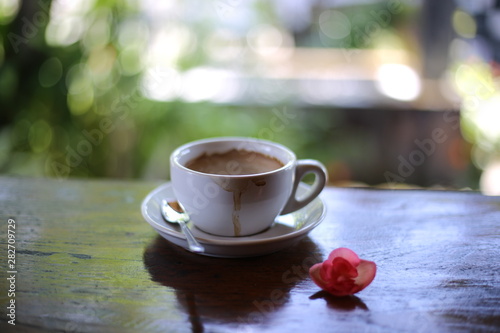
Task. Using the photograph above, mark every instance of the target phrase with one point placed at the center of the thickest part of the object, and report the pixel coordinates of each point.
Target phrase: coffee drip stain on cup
(237, 187)
(235, 162)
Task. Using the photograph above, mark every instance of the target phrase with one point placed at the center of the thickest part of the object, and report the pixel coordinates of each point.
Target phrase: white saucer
(286, 230)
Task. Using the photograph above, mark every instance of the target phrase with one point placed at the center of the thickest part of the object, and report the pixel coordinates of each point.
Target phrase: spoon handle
(194, 246)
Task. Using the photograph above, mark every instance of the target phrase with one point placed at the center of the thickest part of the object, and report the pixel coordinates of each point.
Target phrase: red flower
(343, 273)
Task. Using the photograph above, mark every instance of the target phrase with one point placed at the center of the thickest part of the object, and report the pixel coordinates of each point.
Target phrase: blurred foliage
(72, 77)
(72, 104)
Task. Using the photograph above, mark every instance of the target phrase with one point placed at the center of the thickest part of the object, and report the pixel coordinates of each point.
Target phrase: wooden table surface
(86, 261)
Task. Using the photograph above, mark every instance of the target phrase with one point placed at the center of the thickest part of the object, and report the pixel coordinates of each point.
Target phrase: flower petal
(315, 274)
(366, 273)
(347, 254)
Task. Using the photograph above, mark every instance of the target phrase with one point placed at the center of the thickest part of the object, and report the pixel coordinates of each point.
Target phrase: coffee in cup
(234, 162)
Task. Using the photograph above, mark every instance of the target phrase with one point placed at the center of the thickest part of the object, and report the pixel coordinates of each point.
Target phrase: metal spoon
(177, 215)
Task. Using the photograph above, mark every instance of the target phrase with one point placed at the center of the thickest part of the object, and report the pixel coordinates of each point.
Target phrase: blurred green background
(384, 93)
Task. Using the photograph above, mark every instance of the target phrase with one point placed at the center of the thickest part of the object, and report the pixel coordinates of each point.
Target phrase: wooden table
(86, 261)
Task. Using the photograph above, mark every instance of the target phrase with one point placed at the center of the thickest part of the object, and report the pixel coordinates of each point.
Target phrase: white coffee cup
(241, 205)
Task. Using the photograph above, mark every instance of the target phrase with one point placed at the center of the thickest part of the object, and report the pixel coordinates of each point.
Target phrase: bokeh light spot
(100, 61)
(334, 24)
(79, 103)
(8, 10)
(133, 32)
(205, 83)
(168, 44)
(78, 79)
(161, 84)
(50, 72)
(130, 60)
(97, 33)
(67, 21)
(464, 24)
(265, 39)
(106, 82)
(486, 117)
(80, 89)
(40, 136)
(398, 81)
(64, 32)
(490, 179)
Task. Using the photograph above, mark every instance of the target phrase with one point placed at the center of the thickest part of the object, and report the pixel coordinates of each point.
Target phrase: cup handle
(302, 168)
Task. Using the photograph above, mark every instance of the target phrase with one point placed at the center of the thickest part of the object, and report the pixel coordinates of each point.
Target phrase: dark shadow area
(229, 290)
(344, 303)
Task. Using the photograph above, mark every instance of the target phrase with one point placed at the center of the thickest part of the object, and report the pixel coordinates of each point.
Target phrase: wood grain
(87, 261)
